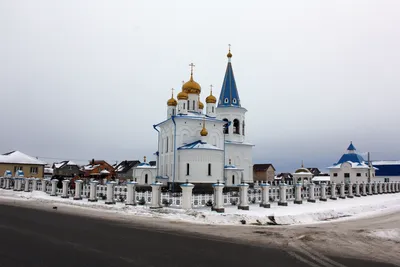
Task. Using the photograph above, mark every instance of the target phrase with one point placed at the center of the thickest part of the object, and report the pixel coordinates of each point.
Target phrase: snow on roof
(48, 170)
(199, 145)
(71, 163)
(20, 158)
(354, 165)
(386, 162)
(105, 172)
(90, 167)
(321, 179)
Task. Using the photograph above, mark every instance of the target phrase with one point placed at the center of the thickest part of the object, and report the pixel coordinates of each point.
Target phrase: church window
(184, 106)
(188, 104)
(209, 169)
(146, 178)
(358, 174)
(234, 101)
(226, 100)
(236, 126)
(347, 175)
(335, 174)
(243, 128)
(212, 109)
(187, 169)
(173, 112)
(194, 105)
(166, 150)
(233, 179)
(226, 126)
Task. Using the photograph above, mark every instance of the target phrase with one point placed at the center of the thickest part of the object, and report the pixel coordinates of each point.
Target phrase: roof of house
(262, 167)
(153, 163)
(18, 157)
(126, 165)
(285, 175)
(61, 164)
(314, 170)
(387, 168)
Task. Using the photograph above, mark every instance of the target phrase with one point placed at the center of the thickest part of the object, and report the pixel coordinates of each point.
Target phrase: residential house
(48, 172)
(387, 170)
(153, 163)
(15, 160)
(124, 169)
(263, 172)
(66, 169)
(98, 169)
(285, 177)
(314, 171)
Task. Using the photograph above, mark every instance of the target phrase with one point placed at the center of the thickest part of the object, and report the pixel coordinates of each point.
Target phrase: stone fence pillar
(17, 184)
(26, 188)
(187, 195)
(54, 183)
(358, 189)
(311, 193)
(397, 186)
(323, 192)
(218, 204)
(282, 195)
(298, 199)
(78, 190)
(44, 184)
(65, 188)
(380, 188)
(350, 193)
(243, 199)
(333, 191)
(265, 195)
(156, 195)
(392, 187)
(384, 187)
(342, 193)
(110, 192)
(375, 188)
(389, 189)
(7, 186)
(1, 182)
(364, 189)
(93, 191)
(369, 188)
(34, 184)
(131, 193)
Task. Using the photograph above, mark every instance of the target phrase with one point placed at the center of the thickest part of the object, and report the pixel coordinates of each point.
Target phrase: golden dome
(229, 55)
(172, 101)
(201, 105)
(191, 87)
(182, 96)
(204, 131)
(211, 98)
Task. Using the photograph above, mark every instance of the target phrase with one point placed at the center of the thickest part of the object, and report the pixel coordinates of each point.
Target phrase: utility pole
(369, 168)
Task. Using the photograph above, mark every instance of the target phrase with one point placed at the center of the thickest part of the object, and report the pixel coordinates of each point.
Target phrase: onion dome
(191, 87)
(182, 96)
(302, 169)
(172, 101)
(201, 105)
(204, 131)
(211, 98)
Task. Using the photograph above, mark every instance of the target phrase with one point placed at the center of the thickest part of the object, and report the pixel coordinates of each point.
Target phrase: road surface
(34, 237)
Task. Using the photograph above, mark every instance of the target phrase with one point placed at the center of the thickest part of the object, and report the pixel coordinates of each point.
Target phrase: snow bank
(388, 234)
(292, 214)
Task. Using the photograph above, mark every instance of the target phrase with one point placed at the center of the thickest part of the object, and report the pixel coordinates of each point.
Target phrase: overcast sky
(88, 79)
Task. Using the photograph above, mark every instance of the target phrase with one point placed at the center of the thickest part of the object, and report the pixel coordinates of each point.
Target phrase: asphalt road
(31, 237)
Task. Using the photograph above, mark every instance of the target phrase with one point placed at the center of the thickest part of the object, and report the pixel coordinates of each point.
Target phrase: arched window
(146, 178)
(226, 126)
(212, 109)
(166, 149)
(184, 106)
(236, 126)
(194, 105)
(233, 179)
(187, 169)
(173, 112)
(188, 104)
(243, 128)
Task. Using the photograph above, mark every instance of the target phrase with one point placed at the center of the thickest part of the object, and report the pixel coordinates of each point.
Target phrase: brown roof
(262, 167)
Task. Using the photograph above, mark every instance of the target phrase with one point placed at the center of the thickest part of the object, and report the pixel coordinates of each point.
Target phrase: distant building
(387, 170)
(124, 169)
(98, 169)
(65, 169)
(145, 174)
(302, 175)
(351, 167)
(285, 177)
(263, 172)
(48, 172)
(15, 161)
(314, 171)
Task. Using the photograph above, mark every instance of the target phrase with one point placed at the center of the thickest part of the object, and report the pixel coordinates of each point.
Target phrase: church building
(204, 144)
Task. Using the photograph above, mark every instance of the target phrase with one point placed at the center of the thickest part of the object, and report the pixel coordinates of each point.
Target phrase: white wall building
(144, 173)
(204, 147)
(387, 170)
(351, 167)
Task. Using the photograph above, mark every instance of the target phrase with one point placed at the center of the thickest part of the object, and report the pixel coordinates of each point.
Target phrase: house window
(335, 174)
(358, 174)
(70, 168)
(226, 126)
(209, 169)
(347, 175)
(17, 168)
(187, 169)
(146, 178)
(386, 180)
(236, 126)
(34, 170)
(233, 179)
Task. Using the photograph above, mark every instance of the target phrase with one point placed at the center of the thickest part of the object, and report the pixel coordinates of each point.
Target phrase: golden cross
(172, 90)
(229, 47)
(211, 87)
(191, 67)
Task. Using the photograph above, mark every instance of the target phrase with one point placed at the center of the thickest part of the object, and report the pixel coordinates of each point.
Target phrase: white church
(203, 146)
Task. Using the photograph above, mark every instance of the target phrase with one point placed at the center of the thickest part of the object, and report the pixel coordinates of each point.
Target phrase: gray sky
(88, 79)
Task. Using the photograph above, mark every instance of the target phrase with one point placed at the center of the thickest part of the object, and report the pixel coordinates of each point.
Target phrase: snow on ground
(292, 214)
(388, 234)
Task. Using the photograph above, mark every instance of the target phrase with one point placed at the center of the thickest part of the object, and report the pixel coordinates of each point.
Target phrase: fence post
(380, 190)
(65, 188)
(282, 195)
(8, 183)
(364, 189)
(243, 199)
(78, 190)
(323, 192)
(370, 189)
(54, 183)
(397, 187)
(297, 197)
(218, 204)
(131, 193)
(375, 188)
(34, 183)
(44, 183)
(187, 196)
(110, 193)
(311, 193)
(17, 184)
(389, 190)
(27, 180)
(1, 182)
(358, 189)
(156, 195)
(333, 191)
(384, 187)
(392, 187)
(265, 195)
(350, 193)
(342, 192)
(93, 191)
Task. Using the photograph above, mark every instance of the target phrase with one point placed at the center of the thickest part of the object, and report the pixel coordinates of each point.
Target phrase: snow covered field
(293, 214)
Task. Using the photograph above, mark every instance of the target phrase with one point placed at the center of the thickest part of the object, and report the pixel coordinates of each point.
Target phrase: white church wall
(198, 160)
(241, 157)
(353, 172)
(232, 113)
